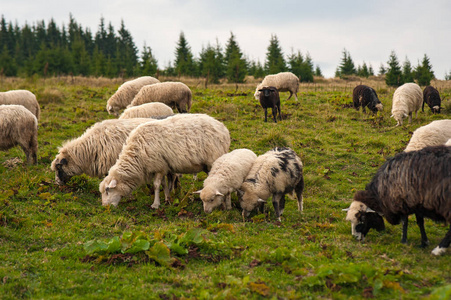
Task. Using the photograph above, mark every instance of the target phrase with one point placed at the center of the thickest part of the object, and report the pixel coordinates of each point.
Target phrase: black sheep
(364, 96)
(269, 98)
(417, 182)
(432, 97)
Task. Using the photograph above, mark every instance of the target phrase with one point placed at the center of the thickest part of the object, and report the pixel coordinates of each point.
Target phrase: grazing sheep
(126, 92)
(95, 151)
(183, 143)
(269, 98)
(276, 173)
(284, 82)
(21, 97)
(226, 176)
(432, 97)
(364, 96)
(434, 134)
(148, 110)
(175, 94)
(417, 182)
(406, 100)
(18, 126)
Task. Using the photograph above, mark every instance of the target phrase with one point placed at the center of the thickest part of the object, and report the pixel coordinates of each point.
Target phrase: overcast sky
(369, 30)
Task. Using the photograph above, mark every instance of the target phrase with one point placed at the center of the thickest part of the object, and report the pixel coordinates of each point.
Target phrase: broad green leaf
(138, 246)
(92, 247)
(178, 249)
(161, 254)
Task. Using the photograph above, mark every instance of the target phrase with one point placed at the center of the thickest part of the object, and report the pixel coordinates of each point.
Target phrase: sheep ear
(261, 200)
(112, 184)
(392, 116)
(63, 161)
(197, 192)
(219, 194)
(345, 209)
(405, 115)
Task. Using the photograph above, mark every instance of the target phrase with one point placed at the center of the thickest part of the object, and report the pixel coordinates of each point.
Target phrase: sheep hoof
(155, 206)
(438, 251)
(424, 244)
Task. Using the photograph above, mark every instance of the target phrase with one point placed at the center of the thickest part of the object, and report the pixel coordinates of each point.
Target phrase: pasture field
(59, 242)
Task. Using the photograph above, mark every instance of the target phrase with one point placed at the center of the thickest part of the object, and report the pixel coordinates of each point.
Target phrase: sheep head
(111, 191)
(362, 219)
(399, 117)
(211, 198)
(64, 168)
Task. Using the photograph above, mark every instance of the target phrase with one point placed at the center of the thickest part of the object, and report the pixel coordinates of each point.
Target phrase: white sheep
(95, 151)
(276, 173)
(175, 94)
(148, 110)
(21, 97)
(283, 82)
(126, 92)
(226, 176)
(434, 134)
(18, 126)
(406, 100)
(183, 143)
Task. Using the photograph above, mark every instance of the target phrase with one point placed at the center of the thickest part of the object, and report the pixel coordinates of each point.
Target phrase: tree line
(395, 74)
(49, 50)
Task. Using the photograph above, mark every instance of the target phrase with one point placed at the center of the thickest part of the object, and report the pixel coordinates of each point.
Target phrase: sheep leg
(424, 238)
(410, 118)
(299, 189)
(274, 113)
(444, 244)
(282, 204)
(266, 115)
(156, 185)
(276, 203)
(422, 108)
(280, 113)
(228, 201)
(405, 224)
(291, 94)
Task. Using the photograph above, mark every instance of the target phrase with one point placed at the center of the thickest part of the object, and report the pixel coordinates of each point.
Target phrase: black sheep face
(366, 221)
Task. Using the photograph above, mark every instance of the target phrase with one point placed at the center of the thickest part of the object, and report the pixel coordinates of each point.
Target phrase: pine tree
(407, 71)
(382, 70)
(211, 63)
(301, 67)
(423, 73)
(393, 77)
(149, 64)
(127, 54)
(275, 62)
(318, 71)
(236, 65)
(347, 66)
(8, 65)
(184, 62)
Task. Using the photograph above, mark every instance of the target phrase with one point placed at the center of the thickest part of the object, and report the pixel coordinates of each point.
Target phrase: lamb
(284, 82)
(95, 151)
(364, 96)
(18, 126)
(175, 94)
(21, 97)
(276, 173)
(183, 143)
(434, 134)
(226, 176)
(148, 110)
(406, 100)
(269, 97)
(432, 97)
(126, 92)
(417, 182)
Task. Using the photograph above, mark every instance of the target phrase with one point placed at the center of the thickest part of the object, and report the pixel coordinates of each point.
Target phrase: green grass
(44, 227)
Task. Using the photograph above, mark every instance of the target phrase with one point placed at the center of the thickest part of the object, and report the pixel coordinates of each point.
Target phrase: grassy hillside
(60, 242)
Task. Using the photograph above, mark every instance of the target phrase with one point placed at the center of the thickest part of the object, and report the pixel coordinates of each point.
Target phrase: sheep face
(64, 169)
(111, 194)
(436, 109)
(362, 219)
(211, 198)
(112, 109)
(249, 201)
(399, 117)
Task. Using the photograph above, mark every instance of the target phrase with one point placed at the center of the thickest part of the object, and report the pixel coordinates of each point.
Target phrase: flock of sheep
(144, 146)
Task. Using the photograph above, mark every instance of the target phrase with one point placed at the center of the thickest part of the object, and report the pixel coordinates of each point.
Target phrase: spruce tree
(184, 62)
(382, 70)
(127, 54)
(301, 67)
(423, 73)
(211, 63)
(318, 71)
(407, 71)
(236, 65)
(393, 77)
(346, 66)
(275, 61)
(149, 64)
